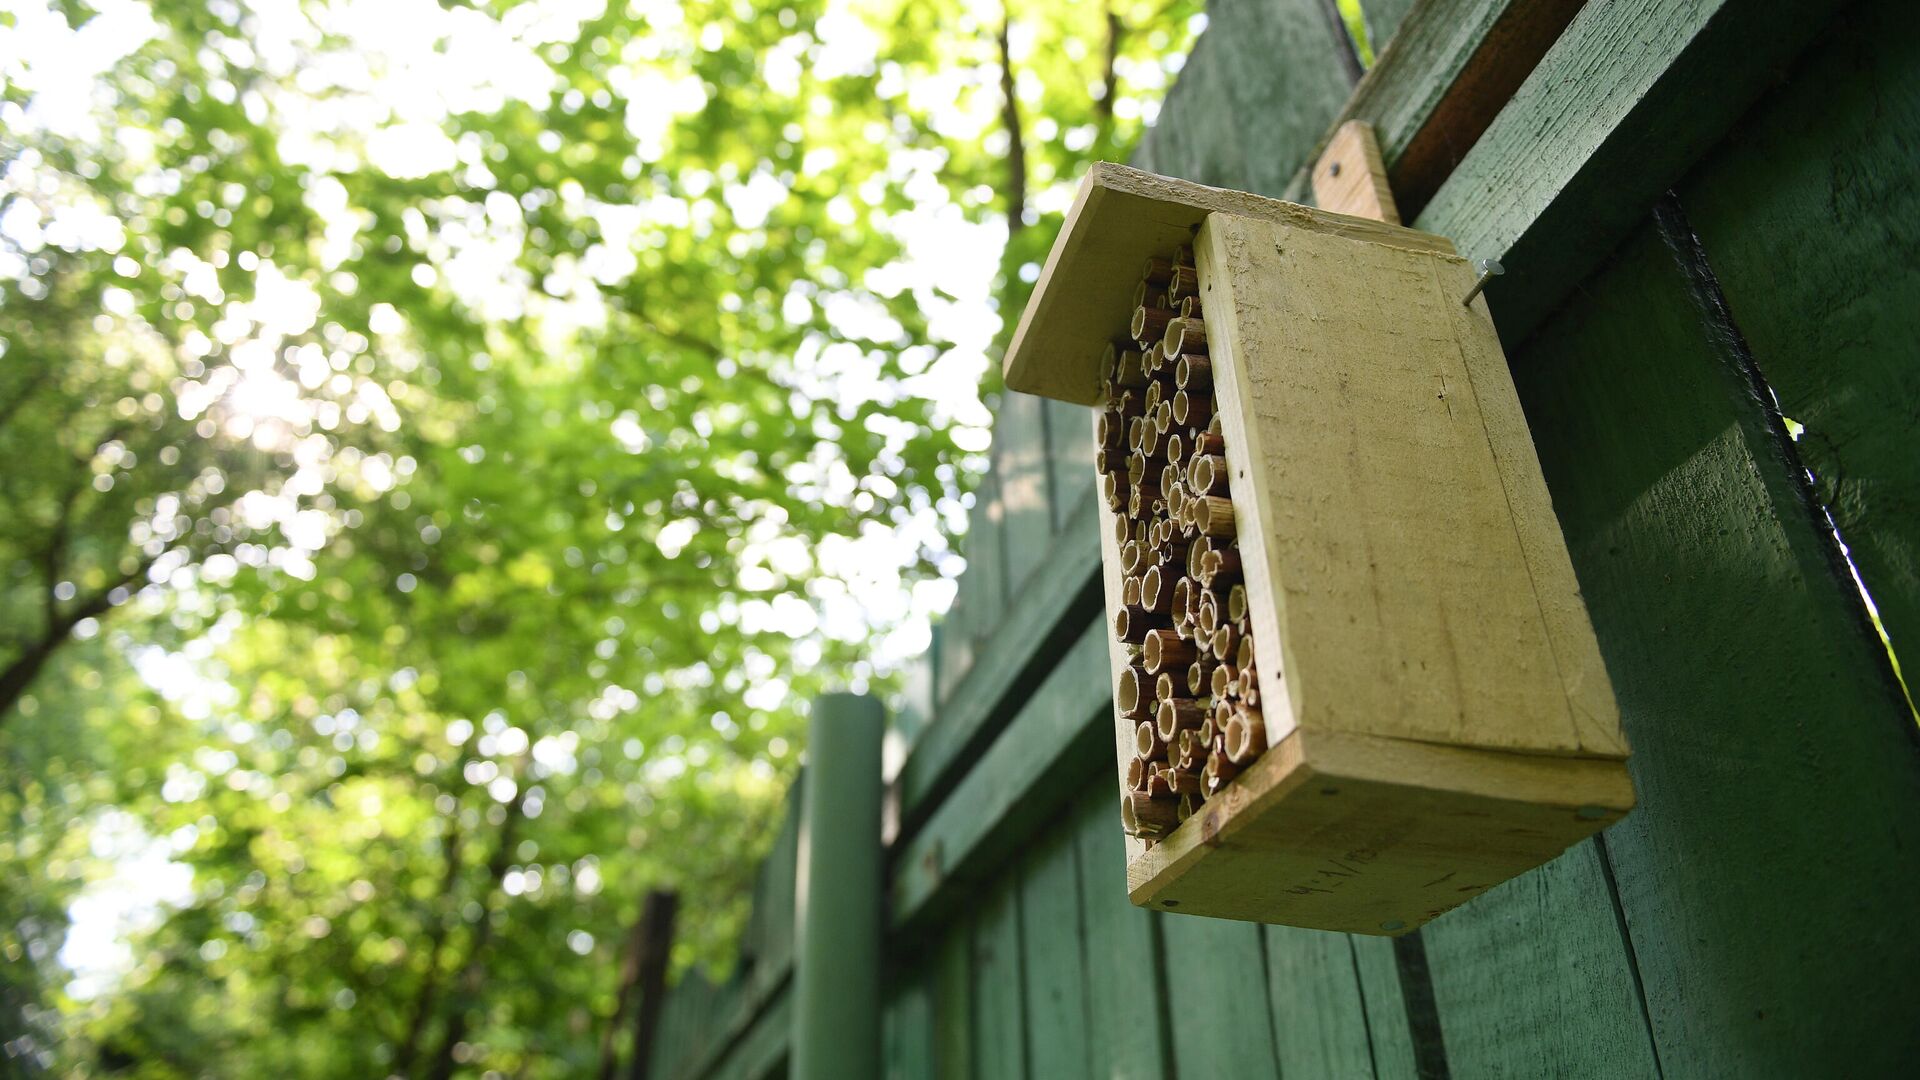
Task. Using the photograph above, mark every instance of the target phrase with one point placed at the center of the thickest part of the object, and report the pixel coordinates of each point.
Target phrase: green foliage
(432, 492)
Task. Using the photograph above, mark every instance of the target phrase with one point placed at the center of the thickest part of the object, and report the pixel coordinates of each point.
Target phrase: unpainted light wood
(1333, 831)
(1406, 575)
(1083, 300)
(1350, 178)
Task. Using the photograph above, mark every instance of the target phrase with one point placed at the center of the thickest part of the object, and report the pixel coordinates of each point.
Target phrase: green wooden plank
(1261, 85)
(1810, 217)
(909, 1024)
(1768, 875)
(1042, 621)
(1218, 1015)
(1126, 999)
(1026, 502)
(999, 999)
(1386, 1005)
(952, 1003)
(1319, 1012)
(1060, 736)
(1053, 957)
(1069, 458)
(1383, 19)
(761, 1050)
(1533, 979)
(1630, 95)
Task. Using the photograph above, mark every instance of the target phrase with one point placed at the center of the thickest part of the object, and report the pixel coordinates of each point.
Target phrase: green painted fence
(1710, 215)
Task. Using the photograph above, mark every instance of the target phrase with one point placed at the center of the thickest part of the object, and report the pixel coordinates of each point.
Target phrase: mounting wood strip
(1082, 301)
(1350, 178)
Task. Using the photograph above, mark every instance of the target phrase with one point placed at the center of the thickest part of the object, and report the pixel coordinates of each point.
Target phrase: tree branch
(1016, 143)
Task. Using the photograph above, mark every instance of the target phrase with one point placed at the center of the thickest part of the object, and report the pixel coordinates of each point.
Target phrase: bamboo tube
(1146, 293)
(1155, 594)
(1149, 324)
(1237, 603)
(1176, 448)
(1194, 372)
(1190, 307)
(1246, 737)
(1183, 336)
(1147, 742)
(1132, 624)
(1133, 554)
(1210, 442)
(1130, 368)
(1114, 490)
(1156, 393)
(1185, 282)
(1158, 786)
(1197, 550)
(1163, 649)
(1158, 272)
(1218, 520)
(1207, 474)
(1205, 732)
(1225, 640)
(1111, 431)
(1177, 715)
(1190, 408)
(1223, 767)
(1130, 696)
(1136, 774)
(1200, 678)
(1243, 658)
(1110, 461)
(1182, 596)
(1146, 817)
(1122, 532)
(1130, 590)
(1162, 417)
(1164, 689)
(1183, 782)
(1225, 567)
(1224, 675)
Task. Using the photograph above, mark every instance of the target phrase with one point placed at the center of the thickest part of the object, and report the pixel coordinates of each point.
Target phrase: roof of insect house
(1121, 217)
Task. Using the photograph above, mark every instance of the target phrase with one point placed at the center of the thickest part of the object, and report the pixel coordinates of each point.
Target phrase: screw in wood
(1489, 269)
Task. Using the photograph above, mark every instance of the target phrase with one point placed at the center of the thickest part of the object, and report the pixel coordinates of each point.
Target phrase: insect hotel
(1355, 684)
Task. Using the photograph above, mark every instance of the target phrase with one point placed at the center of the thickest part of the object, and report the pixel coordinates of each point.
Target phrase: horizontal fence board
(1627, 98)
(1034, 767)
(1041, 623)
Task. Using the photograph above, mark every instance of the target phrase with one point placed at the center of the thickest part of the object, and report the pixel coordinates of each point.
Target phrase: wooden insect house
(1355, 683)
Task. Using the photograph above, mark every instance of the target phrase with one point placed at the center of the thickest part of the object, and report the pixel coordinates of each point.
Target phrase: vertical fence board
(1054, 958)
(1533, 979)
(1217, 992)
(1124, 990)
(909, 1024)
(1020, 459)
(1811, 218)
(999, 1004)
(1379, 977)
(1319, 1014)
(1069, 458)
(1770, 869)
(953, 1003)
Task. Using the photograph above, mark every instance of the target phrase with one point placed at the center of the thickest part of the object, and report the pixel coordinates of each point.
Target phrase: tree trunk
(1016, 143)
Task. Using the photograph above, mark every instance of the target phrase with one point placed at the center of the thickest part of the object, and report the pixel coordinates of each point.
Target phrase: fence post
(836, 980)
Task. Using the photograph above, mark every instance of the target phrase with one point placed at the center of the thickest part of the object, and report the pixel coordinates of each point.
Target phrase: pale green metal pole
(836, 911)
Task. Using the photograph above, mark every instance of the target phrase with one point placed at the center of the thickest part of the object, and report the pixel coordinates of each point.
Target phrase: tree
(444, 477)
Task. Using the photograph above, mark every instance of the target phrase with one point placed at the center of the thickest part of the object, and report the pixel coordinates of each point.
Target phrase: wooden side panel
(1319, 1011)
(1406, 576)
(999, 999)
(1811, 217)
(1020, 459)
(1768, 876)
(1054, 960)
(1126, 996)
(1533, 979)
(1217, 999)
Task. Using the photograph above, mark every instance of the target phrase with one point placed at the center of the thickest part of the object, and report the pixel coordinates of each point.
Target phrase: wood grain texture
(1054, 958)
(1539, 955)
(1769, 872)
(1319, 1010)
(999, 999)
(1349, 177)
(1811, 217)
(1624, 102)
(1406, 574)
(1126, 996)
(1373, 836)
(1386, 1006)
(1084, 297)
(1221, 1026)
